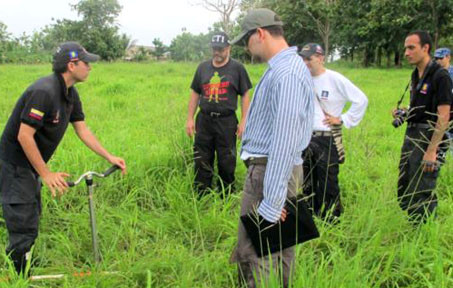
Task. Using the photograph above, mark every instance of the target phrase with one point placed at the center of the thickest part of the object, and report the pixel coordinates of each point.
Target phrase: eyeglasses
(245, 40)
(86, 63)
(307, 58)
(439, 58)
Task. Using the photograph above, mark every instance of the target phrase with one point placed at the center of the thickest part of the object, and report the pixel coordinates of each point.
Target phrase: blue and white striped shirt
(279, 125)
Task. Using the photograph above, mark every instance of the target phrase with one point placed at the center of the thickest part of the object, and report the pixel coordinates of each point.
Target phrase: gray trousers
(252, 270)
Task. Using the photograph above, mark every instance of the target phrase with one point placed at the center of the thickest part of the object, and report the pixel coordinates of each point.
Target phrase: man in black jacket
(32, 133)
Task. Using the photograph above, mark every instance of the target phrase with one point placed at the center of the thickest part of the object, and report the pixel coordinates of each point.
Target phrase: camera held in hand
(400, 117)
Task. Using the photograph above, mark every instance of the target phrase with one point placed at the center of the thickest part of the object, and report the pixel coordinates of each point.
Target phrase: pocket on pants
(257, 179)
(18, 185)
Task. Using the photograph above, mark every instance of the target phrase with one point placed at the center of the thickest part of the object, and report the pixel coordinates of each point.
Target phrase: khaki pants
(252, 270)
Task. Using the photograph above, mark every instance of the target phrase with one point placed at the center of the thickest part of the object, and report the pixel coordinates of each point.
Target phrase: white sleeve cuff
(345, 120)
(268, 212)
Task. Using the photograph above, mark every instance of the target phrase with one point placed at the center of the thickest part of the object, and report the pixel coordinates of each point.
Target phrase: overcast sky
(140, 19)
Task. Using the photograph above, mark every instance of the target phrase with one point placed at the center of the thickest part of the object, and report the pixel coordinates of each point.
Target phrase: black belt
(322, 133)
(255, 161)
(418, 125)
(217, 114)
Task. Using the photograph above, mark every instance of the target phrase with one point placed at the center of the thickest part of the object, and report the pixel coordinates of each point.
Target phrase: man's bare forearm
(88, 138)
(28, 144)
(443, 117)
(245, 104)
(193, 105)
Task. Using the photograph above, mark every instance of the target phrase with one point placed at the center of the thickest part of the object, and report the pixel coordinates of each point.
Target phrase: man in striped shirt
(278, 129)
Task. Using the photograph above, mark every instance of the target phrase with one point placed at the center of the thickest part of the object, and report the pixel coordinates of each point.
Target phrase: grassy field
(155, 233)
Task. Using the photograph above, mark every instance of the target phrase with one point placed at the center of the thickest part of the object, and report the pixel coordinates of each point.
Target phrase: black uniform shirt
(219, 87)
(434, 89)
(48, 106)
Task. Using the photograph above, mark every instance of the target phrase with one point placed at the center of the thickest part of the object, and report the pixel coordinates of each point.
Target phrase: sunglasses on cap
(245, 40)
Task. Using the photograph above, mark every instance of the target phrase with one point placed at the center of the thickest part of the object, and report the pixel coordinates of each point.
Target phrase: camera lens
(397, 122)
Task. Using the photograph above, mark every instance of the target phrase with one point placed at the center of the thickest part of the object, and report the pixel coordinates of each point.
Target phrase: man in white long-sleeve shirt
(321, 159)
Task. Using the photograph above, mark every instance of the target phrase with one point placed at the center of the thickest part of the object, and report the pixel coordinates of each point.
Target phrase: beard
(219, 58)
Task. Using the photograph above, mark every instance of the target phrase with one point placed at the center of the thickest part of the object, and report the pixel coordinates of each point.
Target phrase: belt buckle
(214, 114)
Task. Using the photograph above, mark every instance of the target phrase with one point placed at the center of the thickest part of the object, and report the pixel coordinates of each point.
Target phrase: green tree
(313, 18)
(4, 34)
(159, 48)
(189, 47)
(436, 16)
(97, 31)
(98, 13)
(4, 39)
(62, 30)
(390, 22)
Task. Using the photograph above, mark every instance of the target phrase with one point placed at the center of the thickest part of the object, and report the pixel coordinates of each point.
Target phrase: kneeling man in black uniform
(427, 120)
(32, 133)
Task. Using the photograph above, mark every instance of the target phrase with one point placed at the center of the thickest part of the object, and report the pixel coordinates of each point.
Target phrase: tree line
(370, 32)
(97, 31)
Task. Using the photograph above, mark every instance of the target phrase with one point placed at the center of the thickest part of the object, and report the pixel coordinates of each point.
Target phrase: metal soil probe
(88, 176)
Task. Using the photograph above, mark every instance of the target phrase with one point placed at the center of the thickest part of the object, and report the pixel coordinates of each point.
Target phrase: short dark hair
(275, 30)
(59, 68)
(424, 37)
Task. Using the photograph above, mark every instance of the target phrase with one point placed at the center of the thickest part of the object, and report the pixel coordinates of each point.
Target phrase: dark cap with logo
(311, 49)
(72, 52)
(257, 18)
(220, 40)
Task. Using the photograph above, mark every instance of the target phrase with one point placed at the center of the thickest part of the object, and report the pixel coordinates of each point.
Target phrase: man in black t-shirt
(32, 133)
(215, 89)
(428, 118)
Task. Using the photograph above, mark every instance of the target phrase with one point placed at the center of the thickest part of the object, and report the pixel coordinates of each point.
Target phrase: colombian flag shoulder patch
(36, 114)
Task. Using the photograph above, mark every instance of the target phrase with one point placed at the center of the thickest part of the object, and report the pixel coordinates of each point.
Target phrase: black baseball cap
(257, 18)
(220, 40)
(72, 52)
(310, 49)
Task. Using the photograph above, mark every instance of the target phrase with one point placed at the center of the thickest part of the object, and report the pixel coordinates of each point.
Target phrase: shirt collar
(281, 55)
(64, 90)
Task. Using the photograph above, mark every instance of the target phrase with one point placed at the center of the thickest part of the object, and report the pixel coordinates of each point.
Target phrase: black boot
(20, 261)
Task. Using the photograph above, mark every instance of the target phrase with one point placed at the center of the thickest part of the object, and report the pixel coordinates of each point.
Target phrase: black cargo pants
(321, 169)
(20, 191)
(416, 187)
(215, 135)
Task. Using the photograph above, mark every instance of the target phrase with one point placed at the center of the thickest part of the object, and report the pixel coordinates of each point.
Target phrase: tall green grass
(155, 233)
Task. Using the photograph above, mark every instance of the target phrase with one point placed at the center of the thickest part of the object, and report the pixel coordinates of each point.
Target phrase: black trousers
(215, 136)
(321, 170)
(20, 191)
(416, 187)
